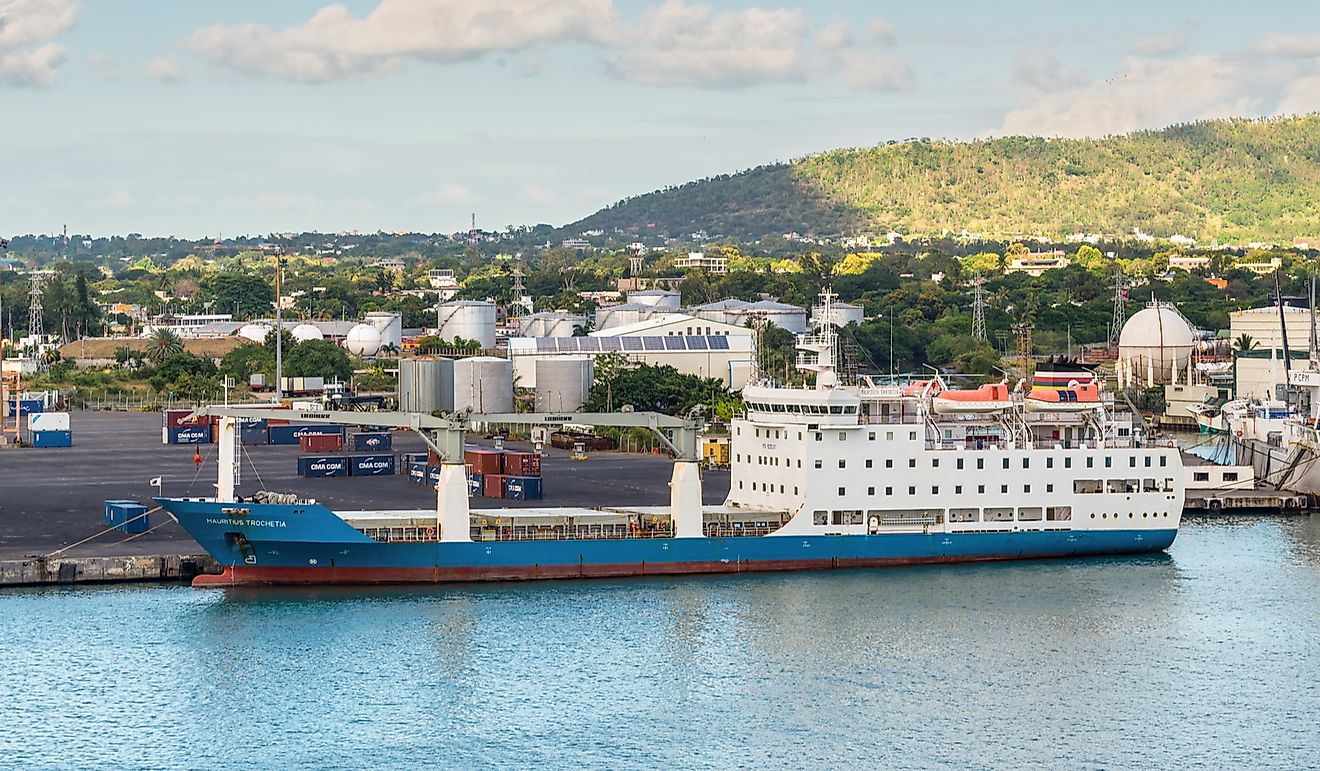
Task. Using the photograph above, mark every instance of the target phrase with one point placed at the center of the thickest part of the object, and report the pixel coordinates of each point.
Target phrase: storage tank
(563, 383)
(625, 314)
(841, 314)
(550, 324)
(483, 384)
(255, 332)
(468, 319)
(305, 331)
(390, 326)
(426, 385)
(782, 315)
(1154, 346)
(362, 340)
(656, 298)
(727, 311)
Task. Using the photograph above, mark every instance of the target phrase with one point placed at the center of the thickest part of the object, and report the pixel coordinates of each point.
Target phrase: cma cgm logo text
(326, 466)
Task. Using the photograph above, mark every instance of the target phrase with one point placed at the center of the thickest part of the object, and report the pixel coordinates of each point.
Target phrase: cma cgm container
(253, 435)
(417, 473)
(290, 434)
(371, 442)
(485, 462)
(475, 484)
(522, 464)
(321, 443)
(492, 485)
(371, 465)
(322, 466)
(127, 516)
(52, 438)
(176, 418)
(188, 435)
(522, 488)
(21, 407)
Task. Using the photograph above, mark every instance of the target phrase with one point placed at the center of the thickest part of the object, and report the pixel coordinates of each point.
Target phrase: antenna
(1120, 309)
(1025, 345)
(978, 307)
(472, 234)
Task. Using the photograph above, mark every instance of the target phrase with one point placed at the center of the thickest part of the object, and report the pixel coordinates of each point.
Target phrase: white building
(671, 324)
(728, 358)
(1036, 263)
(192, 324)
(717, 266)
(1188, 261)
(1263, 327)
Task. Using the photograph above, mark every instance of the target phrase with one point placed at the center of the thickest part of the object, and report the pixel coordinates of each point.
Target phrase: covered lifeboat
(987, 399)
(1077, 397)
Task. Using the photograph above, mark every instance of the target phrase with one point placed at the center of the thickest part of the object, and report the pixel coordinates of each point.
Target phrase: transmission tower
(1025, 345)
(36, 323)
(1120, 308)
(472, 233)
(519, 293)
(978, 307)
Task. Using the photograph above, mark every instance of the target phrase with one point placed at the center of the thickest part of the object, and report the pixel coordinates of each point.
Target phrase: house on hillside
(1036, 263)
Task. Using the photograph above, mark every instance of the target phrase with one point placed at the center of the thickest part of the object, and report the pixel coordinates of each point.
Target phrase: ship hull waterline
(309, 545)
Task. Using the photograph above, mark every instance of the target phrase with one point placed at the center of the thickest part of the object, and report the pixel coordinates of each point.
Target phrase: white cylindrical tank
(782, 315)
(483, 384)
(563, 383)
(656, 298)
(623, 315)
(362, 340)
(550, 324)
(255, 332)
(305, 331)
(727, 311)
(426, 385)
(1155, 344)
(841, 314)
(390, 326)
(468, 319)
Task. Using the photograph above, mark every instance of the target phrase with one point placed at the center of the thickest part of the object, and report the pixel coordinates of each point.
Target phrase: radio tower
(1120, 309)
(978, 307)
(1025, 345)
(472, 234)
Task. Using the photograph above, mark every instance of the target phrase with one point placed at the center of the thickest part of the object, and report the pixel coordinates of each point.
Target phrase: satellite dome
(306, 331)
(1155, 343)
(362, 340)
(255, 332)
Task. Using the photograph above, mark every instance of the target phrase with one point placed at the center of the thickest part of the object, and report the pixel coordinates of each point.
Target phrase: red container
(175, 419)
(484, 462)
(433, 458)
(321, 443)
(492, 486)
(522, 464)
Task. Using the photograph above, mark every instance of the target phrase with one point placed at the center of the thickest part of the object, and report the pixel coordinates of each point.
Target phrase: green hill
(1231, 181)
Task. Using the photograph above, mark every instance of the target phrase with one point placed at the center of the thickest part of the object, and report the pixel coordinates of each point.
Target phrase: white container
(48, 421)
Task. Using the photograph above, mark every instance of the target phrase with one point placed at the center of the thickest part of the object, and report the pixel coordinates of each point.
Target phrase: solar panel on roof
(674, 343)
(610, 344)
(545, 344)
(718, 343)
(631, 343)
(588, 343)
(653, 343)
(697, 343)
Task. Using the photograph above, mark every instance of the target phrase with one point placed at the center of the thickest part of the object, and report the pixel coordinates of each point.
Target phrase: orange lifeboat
(917, 387)
(1077, 397)
(985, 400)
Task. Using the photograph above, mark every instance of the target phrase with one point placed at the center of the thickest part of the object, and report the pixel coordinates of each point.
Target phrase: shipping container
(475, 484)
(492, 485)
(175, 418)
(253, 435)
(522, 464)
(52, 438)
(433, 475)
(321, 443)
(417, 473)
(250, 422)
(322, 466)
(48, 421)
(127, 516)
(371, 442)
(485, 461)
(189, 435)
(289, 434)
(20, 407)
(409, 458)
(522, 488)
(371, 465)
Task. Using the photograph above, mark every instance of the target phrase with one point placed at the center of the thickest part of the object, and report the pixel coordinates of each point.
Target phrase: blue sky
(250, 117)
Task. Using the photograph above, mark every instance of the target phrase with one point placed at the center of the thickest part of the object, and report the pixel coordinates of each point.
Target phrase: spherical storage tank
(468, 319)
(255, 332)
(1154, 346)
(362, 340)
(563, 383)
(426, 385)
(483, 384)
(305, 331)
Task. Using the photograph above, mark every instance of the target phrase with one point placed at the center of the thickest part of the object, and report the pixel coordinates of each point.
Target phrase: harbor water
(1207, 657)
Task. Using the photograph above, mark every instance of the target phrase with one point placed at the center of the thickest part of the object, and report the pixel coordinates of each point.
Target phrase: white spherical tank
(390, 326)
(468, 319)
(483, 384)
(1154, 346)
(426, 385)
(563, 383)
(362, 340)
(305, 331)
(255, 332)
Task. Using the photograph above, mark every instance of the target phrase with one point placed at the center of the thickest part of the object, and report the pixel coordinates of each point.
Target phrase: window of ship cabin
(889, 436)
(820, 437)
(740, 484)
(842, 492)
(1003, 488)
(1132, 462)
(1163, 461)
(889, 491)
(1148, 486)
(1230, 476)
(1049, 488)
(1049, 463)
(758, 433)
(1005, 462)
(818, 463)
(1168, 484)
(1088, 486)
(843, 463)
(912, 435)
(836, 409)
(1058, 513)
(1090, 462)
(934, 489)
(960, 464)
(912, 462)
(1026, 488)
(1124, 485)
(889, 462)
(912, 490)
(980, 489)
(964, 515)
(843, 436)
(935, 463)
(1026, 463)
(1029, 513)
(1147, 459)
(869, 463)
(1109, 461)
(870, 435)
(1200, 476)
(1067, 462)
(779, 408)
(820, 517)
(870, 491)
(999, 514)
(980, 463)
(795, 492)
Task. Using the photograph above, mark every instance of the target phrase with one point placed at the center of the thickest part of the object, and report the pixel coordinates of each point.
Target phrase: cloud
(165, 70)
(1142, 94)
(538, 194)
(882, 31)
(867, 71)
(336, 45)
(1163, 44)
(835, 35)
(1300, 96)
(1043, 71)
(454, 193)
(678, 44)
(27, 57)
(1286, 44)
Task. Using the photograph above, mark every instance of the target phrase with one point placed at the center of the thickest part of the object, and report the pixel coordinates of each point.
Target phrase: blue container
(190, 434)
(475, 482)
(417, 473)
(22, 407)
(522, 488)
(371, 442)
(254, 434)
(52, 438)
(433, 475)
(251, 423)
(291, 434)
(322, 466)
(127, 516)
(371, 465)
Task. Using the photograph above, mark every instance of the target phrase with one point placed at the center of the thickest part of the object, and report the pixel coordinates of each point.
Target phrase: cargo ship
(824, 476)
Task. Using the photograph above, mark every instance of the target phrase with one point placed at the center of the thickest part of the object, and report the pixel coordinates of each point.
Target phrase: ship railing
(716, 530)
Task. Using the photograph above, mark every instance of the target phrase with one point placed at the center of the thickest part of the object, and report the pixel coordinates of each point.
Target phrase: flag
(155, 482)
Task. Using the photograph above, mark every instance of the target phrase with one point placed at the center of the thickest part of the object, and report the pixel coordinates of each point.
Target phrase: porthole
(1092, 513)
(1131, 515)
(1143, 515)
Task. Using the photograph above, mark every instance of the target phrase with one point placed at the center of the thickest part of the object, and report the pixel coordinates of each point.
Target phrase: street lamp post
(279, 329)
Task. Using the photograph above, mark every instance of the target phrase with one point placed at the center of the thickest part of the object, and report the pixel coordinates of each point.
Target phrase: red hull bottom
(243, 575)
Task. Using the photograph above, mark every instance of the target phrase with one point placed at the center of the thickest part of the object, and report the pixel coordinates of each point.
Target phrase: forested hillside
(1230, 181)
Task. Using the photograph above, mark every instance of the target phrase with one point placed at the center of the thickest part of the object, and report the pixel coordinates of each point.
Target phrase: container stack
(49, 429)
(323, 453)
(177, 429)
(490, 473)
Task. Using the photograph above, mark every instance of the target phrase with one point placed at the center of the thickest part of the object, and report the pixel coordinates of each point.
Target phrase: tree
(318, 358)
(244, 295)
(163, 344)
(1245, 342)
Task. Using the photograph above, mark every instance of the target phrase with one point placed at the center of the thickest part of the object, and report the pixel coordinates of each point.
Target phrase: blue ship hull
(309, 544)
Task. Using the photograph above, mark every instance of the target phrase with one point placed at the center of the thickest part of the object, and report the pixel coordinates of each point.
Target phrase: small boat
(917, 387)
(987, 399)
(1210, 416)
(1077, 397)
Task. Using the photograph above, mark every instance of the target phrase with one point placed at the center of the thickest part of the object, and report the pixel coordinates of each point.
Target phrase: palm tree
(163, 344)
(1245, 343)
